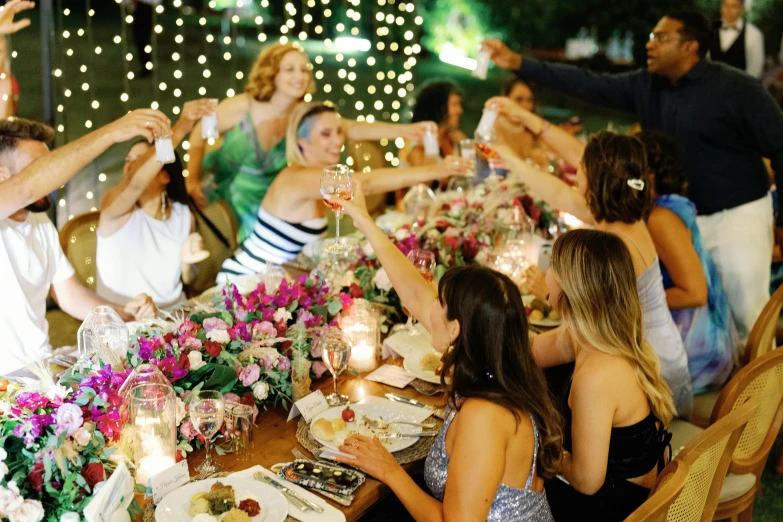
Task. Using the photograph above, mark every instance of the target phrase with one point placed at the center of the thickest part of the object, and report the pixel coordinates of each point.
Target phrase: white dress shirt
(754, 45)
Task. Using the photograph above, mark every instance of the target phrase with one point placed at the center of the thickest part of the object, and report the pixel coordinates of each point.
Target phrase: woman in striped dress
(292, 213)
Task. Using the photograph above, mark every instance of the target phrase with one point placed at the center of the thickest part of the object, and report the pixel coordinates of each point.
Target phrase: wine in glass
(424, 262)
(206, 414)
(335, 352)
(336, 180)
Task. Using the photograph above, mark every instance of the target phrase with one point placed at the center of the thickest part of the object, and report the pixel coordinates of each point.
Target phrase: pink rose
(319, 368)
(188, 431)
(214, 323)
(193, 343)
(231, 398)
(264, 329)
(68, 418)
(249, 374)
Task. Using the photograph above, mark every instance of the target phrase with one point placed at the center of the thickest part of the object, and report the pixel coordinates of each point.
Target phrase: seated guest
(292, 213)
(501, 434)
(32, 263)
(440, 102)
(515, 135)
(613, 194)
(146, 234)
(694, 291)
(617, 405)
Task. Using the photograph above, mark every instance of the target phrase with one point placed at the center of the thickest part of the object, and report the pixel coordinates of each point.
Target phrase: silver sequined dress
(510, 504)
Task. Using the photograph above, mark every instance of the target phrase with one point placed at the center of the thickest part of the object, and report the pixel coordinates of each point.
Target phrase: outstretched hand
(507, 108)
(194, 110)
(141, 122)
(356, 207)
(502, 55)
(7, 13)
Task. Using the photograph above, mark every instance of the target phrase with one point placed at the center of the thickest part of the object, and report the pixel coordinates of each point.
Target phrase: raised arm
(120, 200)
(546, 186)
(610, 90)
(564, 144)
(362, 130)
(415, 292)
(53, 170)
(7, 13)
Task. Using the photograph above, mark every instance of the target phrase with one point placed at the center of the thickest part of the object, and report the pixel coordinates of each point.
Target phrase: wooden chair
(760, 341)
(760, 380)
(79, 239)
(704, 461)
(220, 214)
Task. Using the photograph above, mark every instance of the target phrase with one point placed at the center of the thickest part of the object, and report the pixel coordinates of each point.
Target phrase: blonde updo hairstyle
(261, 82)
(300, 125)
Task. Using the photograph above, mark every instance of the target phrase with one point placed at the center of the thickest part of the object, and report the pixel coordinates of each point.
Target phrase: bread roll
(536, 315)
(430, 362)
(323, 429)
(554, 315)
(338, 424)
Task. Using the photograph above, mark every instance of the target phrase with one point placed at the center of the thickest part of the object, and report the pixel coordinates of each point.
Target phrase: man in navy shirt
(724, 123)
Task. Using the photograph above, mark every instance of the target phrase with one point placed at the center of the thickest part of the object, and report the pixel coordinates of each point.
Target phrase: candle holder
(104, 334)
(154, 424)
(362, 326)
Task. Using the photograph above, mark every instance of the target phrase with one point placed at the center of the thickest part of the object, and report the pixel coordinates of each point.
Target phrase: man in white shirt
(32, 262)
(737, 42)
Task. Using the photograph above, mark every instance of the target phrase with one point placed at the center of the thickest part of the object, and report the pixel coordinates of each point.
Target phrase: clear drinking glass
(239, 428)
(335, 352)
(209, 126)
(424, 262)
(336, 180)
(431, 145)
(164, 148)
(206, 414)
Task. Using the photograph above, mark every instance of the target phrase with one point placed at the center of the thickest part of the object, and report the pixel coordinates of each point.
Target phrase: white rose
(433, 234)
(10, 500)
(3, 454)
(219, 336)
(261, 391)
(282, 315)
(402, 234)
(453, 231)
(82, 437)
(180, 414)
(347, 279)
(367, 249)
(196, 360)
(3, 469)
(29, 511)
(381, 280)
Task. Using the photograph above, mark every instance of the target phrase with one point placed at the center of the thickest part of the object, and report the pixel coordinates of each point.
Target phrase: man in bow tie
(737, 42)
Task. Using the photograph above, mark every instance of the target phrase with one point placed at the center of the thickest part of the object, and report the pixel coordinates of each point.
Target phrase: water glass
(206, 414)
(335, 352)
(431, 145)
(164, 149)
(209, 126)
(482, 64)
(239, 429)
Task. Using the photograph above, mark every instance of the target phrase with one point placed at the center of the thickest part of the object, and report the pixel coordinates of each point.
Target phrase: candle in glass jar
(363, 357)
(151, 465)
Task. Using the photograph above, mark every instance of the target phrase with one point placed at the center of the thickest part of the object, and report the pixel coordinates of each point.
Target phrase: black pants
(142, 31)
(615, 500)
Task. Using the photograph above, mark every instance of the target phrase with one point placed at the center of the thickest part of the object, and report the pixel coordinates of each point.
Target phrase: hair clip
(636, 184)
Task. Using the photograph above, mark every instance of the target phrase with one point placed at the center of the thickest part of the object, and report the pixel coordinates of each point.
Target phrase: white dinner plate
(388, 411)
(412, 363)
(174, 506)
(546, 322)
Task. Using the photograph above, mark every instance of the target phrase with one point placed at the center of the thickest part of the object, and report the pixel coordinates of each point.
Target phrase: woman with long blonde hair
(253, 127)
(618, 405)
(292, 213)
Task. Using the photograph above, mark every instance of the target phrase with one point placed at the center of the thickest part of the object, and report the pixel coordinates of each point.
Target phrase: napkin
(330, 514)
(404, 344)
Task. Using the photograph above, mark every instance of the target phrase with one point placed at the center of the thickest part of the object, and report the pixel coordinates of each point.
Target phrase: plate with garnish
(223, 500)
(334, 425)
(426, 366)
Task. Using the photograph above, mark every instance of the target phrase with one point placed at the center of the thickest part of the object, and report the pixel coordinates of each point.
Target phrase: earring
(163, 204)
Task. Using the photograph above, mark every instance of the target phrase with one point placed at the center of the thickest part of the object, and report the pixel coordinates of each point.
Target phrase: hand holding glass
(424, 262)
(336, 180)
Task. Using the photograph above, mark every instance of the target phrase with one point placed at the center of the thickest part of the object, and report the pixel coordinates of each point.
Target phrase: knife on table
(293, 494)
(438, 412)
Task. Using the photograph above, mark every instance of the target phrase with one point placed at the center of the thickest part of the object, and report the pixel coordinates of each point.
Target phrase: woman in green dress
(253, 126)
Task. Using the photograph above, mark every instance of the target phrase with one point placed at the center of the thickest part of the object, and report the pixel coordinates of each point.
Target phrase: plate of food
(426, 366)
(333, 426)
(223, 500)
(543, 319)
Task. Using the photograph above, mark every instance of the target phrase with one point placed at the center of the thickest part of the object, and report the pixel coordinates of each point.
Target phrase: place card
(113, 495)
(392, 375)
(309, 406)
(169, 480)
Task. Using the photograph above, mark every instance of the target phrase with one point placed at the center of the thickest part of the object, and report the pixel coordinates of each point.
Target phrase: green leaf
(293, 306)
(220, 377)
(334, 307)
(227, 388)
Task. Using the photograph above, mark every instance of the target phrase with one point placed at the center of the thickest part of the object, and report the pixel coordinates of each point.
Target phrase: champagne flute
(336, 180)
(206, 414)
(424, 262)
(335, 352)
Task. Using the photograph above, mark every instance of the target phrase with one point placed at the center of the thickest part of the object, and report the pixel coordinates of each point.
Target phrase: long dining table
(274, 438)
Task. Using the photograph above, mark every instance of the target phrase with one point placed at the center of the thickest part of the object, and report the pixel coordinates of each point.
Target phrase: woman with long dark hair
(146, 233)
(502, 433)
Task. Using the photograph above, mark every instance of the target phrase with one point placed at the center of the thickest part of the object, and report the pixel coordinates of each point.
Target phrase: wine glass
(336, 180)
(418, 203)
(206, 414)
(424, 262)
(335, 352)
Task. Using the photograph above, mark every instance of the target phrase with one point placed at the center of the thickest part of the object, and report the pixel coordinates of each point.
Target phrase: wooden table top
(274, 438)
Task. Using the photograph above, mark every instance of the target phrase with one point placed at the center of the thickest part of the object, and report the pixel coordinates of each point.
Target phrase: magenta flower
(249, 374)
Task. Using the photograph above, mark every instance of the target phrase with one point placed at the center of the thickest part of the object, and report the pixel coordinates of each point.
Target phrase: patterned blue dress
(709, 333)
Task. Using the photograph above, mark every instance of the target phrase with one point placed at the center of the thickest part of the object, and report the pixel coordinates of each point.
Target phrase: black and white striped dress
(272, 241)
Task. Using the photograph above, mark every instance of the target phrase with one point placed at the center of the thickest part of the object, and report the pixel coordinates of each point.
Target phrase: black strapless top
(633, 450)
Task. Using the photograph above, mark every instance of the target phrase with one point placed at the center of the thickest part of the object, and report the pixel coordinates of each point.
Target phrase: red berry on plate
(348, 414)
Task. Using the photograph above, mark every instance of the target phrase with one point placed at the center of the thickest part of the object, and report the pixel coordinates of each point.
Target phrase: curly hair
(612, 162)
(261, 82)
(432, 101)
(663, 157)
